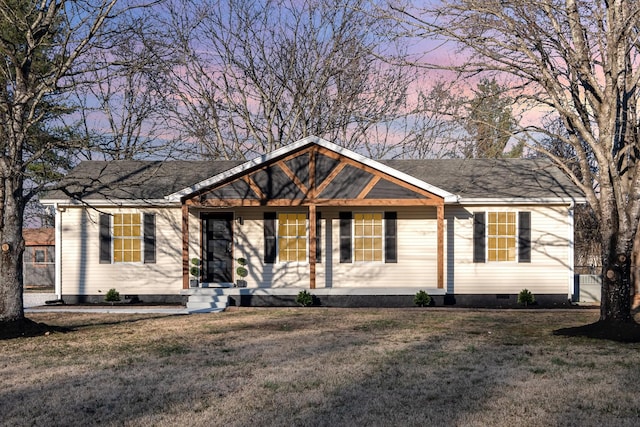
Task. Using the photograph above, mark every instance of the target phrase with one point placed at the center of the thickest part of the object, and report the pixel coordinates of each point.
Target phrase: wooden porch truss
(314, 177)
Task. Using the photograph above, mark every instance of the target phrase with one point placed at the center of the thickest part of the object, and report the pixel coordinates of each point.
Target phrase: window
(292, 237)
(501, 236)
(39, 256)
(122, 240)
(367, 236)
(362, 236)
(127, 238)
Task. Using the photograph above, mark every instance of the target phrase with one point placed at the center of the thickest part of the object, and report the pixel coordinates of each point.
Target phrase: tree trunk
(635, 272)
(616, 288)
(617, 232)
(11, 250)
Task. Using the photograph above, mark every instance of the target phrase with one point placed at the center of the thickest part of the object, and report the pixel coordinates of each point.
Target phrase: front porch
(315, 216)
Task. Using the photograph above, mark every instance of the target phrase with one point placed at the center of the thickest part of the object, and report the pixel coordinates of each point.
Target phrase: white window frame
(382, 237)
(306, 238)
(516, 245)
(140, 238)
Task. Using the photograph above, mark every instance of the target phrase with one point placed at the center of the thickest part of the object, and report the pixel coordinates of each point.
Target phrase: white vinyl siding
(416, 246)
(546, 273)
(248, 243)
(82, 273)
(417, 254)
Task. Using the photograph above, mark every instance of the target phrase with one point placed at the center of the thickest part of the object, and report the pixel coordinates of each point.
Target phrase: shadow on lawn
(446, 377)
(628, 332)
(27, 328)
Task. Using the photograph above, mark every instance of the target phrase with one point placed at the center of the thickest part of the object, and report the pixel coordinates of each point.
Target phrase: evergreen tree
(490, 123)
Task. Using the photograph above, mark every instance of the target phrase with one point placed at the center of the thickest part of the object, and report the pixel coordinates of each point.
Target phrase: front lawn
(317, 366)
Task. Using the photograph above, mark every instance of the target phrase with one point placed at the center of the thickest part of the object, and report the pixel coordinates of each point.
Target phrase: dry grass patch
(319, 367)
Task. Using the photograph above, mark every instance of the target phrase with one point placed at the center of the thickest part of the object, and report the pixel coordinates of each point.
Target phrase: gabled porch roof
(369, 180)
(312, 173)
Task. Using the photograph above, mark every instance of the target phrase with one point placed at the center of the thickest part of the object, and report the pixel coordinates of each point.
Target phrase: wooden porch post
(440, 215)
(185, 246)
(312, 246)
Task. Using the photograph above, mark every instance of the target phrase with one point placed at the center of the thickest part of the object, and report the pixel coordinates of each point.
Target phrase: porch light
(240, 220)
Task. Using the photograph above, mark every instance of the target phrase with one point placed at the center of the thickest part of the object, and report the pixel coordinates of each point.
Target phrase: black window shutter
(269, 237)
(345, 237)
(149, 238)
(524, 237)
(390, 237)
(479, 245)
(318, 239)
(105, 239)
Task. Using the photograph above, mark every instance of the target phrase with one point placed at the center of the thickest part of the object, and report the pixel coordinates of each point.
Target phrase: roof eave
(110, 202)
(521, 200)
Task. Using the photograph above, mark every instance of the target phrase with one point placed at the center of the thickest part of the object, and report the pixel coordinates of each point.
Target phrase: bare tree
(435, 131)
(253, 76)
(123, 108)
(46, 47)
(588, 246)
(578, 59)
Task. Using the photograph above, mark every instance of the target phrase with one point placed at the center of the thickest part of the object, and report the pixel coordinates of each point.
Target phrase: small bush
(112, 295)
(422, 299)
(525, 297)
(194, 270)
(242, 272)
(304, 298)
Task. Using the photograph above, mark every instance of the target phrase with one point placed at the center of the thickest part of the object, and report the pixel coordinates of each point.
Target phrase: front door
(217, 260)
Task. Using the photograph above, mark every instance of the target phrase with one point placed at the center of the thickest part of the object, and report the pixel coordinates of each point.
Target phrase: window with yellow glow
(127, 238)
(292, 237)
(367, 236)
(501, 234)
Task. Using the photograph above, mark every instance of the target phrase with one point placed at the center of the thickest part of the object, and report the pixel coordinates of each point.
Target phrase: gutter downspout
(58, 251)
(570, 262)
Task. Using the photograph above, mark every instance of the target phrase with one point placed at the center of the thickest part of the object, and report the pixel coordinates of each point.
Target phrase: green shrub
(194, 270)
(304, 298)
(525, 297)
(422, 299)
(112, 295)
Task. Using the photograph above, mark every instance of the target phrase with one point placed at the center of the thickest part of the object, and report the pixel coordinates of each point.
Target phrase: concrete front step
(207, 303)
(209, 298)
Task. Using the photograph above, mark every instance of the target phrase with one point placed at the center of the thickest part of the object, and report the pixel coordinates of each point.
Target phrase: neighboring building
(39, 259)
(315, 216)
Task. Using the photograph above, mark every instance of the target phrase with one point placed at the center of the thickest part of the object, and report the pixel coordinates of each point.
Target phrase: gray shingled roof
(132, 179)
(492, 178)
(477, 178)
